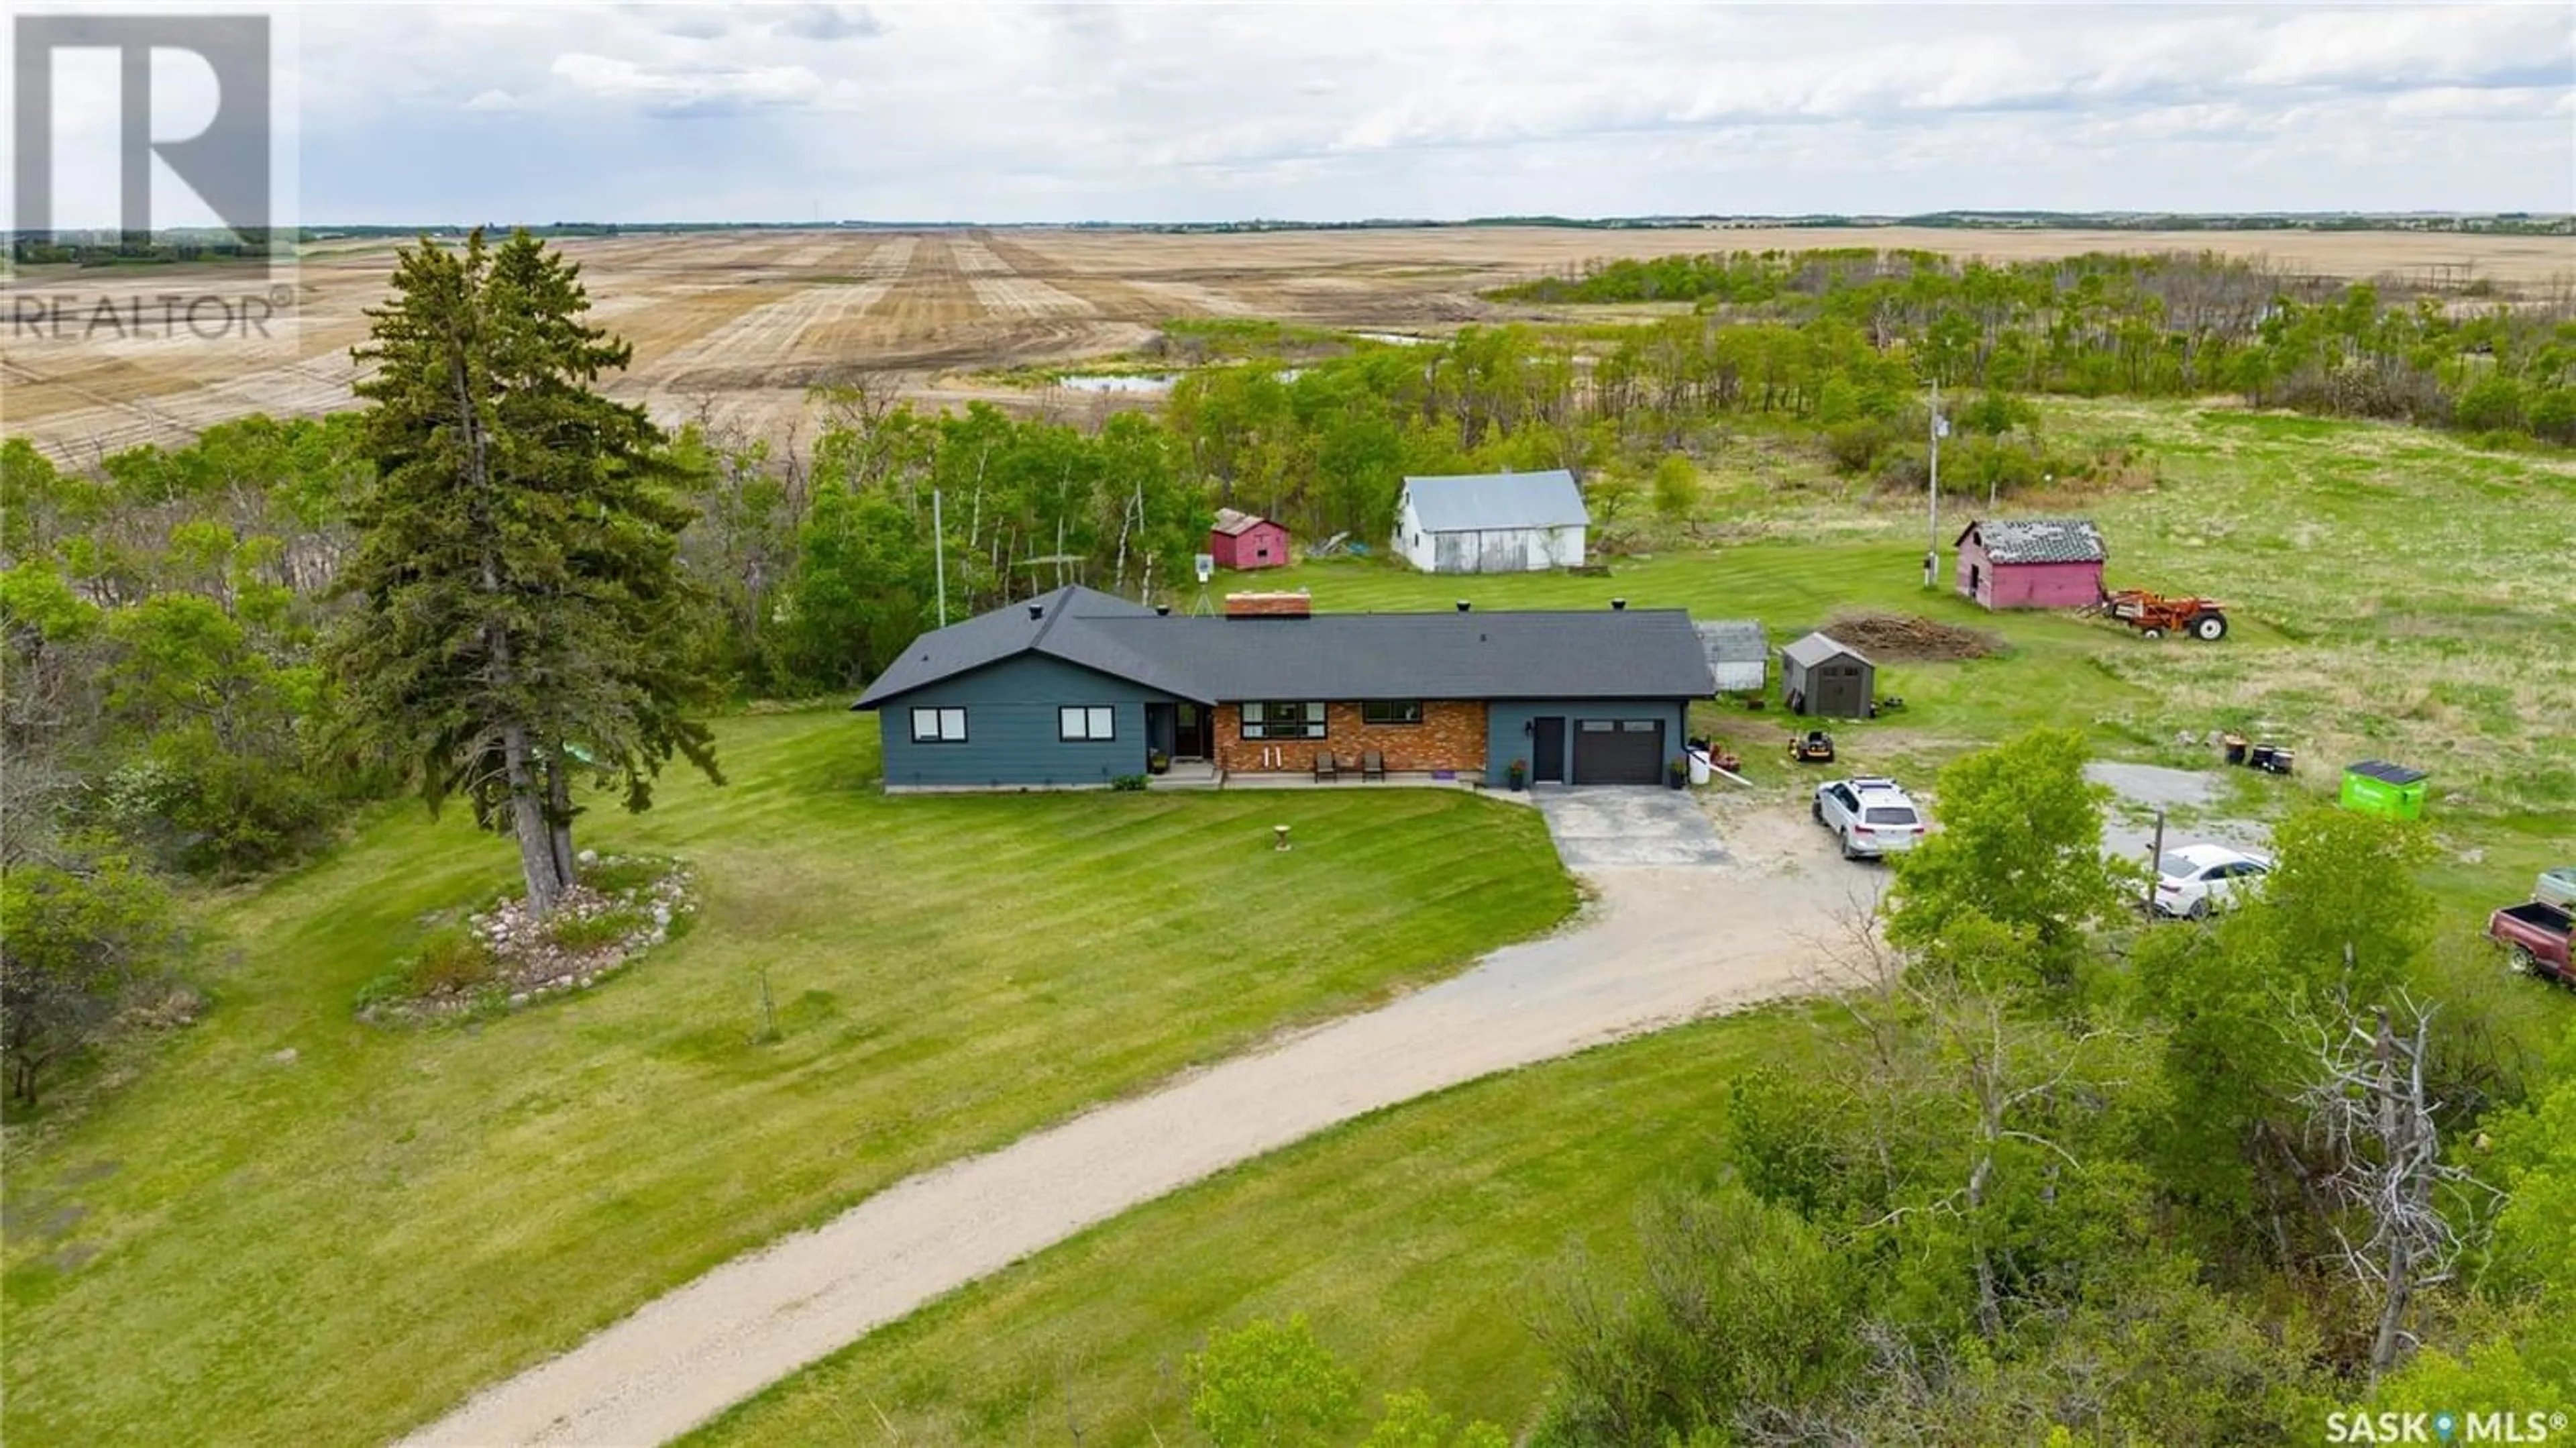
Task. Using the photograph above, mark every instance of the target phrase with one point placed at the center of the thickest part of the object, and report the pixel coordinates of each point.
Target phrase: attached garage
(1618, 751)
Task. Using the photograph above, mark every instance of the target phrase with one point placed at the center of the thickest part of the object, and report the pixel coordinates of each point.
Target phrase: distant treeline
(2103, 324)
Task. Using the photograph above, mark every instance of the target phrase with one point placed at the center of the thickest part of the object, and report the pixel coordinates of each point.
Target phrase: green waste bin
(2390, 791)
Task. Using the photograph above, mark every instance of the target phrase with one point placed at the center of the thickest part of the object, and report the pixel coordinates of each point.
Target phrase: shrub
(579, 933)
(201, 808)
(624, 874)
(2491, 404)
(451, 961)
(1128, 783)
(1743, 1305)
(1853, 445)
(1269, 1383)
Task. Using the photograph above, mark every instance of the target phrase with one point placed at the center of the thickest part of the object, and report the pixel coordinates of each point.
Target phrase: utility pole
(2155, 863)
(939, 556)
(1932, 549)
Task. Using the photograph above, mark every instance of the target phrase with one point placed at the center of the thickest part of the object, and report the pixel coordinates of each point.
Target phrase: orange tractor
(2154, 615)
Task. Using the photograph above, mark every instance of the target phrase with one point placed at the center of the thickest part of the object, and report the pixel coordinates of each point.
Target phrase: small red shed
(1246, 540)
(2032, 562)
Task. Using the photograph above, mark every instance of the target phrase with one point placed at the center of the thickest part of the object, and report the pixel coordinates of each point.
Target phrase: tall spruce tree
(522, 614)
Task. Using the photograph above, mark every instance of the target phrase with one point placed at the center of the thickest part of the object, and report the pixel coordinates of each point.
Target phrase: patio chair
(1326, 768)
(1372, 765)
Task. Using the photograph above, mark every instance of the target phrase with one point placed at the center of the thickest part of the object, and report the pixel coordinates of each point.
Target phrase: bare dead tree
(2368, 1105)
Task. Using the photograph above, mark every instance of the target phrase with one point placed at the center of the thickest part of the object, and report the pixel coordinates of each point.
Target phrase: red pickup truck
(2536, 937)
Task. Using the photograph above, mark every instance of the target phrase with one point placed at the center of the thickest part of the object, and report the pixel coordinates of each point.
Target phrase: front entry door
(1547, 749)
(1189, 731)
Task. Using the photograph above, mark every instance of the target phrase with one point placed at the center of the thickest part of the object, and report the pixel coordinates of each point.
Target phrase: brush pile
(1905, 637)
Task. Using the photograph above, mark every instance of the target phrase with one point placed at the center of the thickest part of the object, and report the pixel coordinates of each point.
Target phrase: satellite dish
(1206, 565)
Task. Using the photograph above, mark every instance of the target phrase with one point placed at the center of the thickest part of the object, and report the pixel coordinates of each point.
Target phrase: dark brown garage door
(1618, 751)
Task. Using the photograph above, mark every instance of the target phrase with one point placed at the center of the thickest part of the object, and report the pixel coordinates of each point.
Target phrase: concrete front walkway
(1661, 942)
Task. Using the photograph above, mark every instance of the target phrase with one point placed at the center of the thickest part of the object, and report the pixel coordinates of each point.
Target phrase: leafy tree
(1269, 1385)
(2342, 919)
(2020, 847)
(521, 614)
(1676, 488)
(79, 937)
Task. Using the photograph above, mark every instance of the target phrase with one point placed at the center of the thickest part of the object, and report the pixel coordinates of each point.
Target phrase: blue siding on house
(1509, 734)
(1011, 727)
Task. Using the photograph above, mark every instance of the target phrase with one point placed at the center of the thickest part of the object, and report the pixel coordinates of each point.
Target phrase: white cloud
(672, 90)
(1149, 112)
(493, 100)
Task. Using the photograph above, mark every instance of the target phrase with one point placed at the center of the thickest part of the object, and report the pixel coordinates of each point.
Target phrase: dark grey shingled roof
(1731, 641)
(1815, 648)
(988, 637)
(1636, 653)
(1465, 503)
(2039, 540)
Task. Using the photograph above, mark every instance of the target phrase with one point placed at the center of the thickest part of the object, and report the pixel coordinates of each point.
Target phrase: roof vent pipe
(1162, 610)
(1037, 610)
(1618, 605)
(1463, 605)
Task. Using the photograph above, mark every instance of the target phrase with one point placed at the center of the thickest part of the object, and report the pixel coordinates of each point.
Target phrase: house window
(1391, 711)
(1086, 722)
(1275, 720)
(938, 726)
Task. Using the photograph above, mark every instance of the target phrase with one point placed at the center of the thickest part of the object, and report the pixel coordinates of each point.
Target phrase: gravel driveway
(1663, 940)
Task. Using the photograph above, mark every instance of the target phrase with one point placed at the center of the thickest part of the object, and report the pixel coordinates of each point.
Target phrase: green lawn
(234, 1248)
(1417, 1240)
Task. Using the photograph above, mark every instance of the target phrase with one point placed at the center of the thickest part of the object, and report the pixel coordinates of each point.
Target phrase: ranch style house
(1078, 688)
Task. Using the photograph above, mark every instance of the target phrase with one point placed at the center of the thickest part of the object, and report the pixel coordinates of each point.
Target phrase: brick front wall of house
(1450, 736)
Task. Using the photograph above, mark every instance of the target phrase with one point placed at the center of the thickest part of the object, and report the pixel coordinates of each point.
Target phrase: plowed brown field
(740, 325)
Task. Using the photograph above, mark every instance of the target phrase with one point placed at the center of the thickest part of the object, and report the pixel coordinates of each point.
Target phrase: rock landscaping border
(503, 958)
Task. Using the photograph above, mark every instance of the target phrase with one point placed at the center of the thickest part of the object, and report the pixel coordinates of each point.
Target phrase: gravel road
(1659, 943)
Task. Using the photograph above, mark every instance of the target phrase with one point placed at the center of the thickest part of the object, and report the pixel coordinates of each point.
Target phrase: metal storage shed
(1819, 675)
(1739, 654)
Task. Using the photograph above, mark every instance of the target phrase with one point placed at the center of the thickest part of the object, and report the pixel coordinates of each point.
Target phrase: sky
(526, 113)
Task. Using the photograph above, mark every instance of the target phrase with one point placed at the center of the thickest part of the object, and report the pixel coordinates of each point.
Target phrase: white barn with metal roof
(1492, 522)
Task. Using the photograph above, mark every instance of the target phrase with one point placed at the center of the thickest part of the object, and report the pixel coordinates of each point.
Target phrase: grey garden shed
(1822, 676)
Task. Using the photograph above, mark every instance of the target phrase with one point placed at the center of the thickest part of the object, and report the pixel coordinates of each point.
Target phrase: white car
(2193, 880)
(1872, 817)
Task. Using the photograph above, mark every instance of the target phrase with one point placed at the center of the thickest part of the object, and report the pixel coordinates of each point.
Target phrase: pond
(1134, 383)
(1118, 381)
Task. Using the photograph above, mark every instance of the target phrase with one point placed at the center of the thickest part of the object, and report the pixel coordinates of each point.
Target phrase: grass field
(239, 1245)
(2395, 593)
(1417, 1241)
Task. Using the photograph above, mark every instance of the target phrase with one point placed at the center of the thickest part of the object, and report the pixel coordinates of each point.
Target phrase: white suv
(1871, 817)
